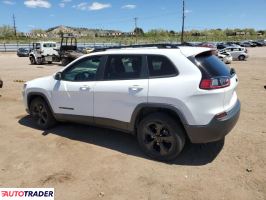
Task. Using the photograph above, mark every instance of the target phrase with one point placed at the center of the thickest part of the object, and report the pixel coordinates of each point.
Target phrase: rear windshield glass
(49, 45)
(212, 65)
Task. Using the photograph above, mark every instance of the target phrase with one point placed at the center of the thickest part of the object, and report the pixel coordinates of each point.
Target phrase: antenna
(183, 23)
(14, 25)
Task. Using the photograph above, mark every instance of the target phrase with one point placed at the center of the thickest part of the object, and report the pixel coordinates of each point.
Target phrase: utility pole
(136, 30)
(14, 25)
(183, 23)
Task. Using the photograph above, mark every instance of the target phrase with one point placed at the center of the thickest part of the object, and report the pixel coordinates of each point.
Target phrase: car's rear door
(124, 86)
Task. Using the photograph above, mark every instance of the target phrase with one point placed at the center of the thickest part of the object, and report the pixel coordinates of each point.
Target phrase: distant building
(115, 34)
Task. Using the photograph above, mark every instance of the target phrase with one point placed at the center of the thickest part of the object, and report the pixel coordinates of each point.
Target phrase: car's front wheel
(32, 60)
(41, 114)
(161, 137)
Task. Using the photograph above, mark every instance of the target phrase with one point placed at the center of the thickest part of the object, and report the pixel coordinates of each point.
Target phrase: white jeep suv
(165, 95)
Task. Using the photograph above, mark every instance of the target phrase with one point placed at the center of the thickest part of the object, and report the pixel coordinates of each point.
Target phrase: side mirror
(58, 76)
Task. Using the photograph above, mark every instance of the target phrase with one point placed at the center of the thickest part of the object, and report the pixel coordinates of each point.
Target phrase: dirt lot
(83, 162)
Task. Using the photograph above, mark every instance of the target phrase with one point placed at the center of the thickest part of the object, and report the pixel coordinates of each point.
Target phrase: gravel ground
(83, 162)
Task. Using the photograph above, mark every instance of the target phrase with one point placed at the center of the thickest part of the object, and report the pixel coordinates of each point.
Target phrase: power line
(183, 23)
(136, 28)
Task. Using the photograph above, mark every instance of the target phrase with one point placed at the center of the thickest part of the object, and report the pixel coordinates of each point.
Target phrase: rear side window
(123, 67)
(211, 65)
(160, 66)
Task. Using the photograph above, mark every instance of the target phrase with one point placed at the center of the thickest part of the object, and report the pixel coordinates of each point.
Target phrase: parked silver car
(238, 53)
(225, 57)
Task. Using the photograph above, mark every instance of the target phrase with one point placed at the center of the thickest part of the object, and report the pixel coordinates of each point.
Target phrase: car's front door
(124, 86)
(73, 94)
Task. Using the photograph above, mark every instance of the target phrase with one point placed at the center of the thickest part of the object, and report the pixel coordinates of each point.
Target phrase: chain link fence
(6, 47)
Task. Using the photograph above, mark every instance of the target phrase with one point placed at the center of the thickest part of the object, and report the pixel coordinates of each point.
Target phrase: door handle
(135, 88)
(85, 87)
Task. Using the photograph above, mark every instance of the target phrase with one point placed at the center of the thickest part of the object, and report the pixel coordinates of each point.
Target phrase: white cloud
(129, 6)
(81, 6)
(37, 3)
(99, 6)
(8, 2)
(62, 5)
(188, 11)
(93, 6)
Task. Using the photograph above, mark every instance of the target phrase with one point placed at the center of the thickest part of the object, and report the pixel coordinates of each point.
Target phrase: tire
(50, 62)
(165, 144)
(41, 114)
(32, 60)
(39, 61)
(65, 61)
(241, 57)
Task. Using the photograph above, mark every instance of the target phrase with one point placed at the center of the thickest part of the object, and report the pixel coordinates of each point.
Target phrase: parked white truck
(44, 52)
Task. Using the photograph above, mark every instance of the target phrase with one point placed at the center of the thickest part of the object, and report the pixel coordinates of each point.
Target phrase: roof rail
(158, 45)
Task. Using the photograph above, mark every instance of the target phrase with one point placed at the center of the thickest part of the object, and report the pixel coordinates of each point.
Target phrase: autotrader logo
(27, 193)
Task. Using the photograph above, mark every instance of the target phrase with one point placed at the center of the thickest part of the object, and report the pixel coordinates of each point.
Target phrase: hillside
(77, 31)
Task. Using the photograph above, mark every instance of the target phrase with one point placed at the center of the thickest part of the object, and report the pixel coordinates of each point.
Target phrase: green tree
(139, 31)
(6, 31)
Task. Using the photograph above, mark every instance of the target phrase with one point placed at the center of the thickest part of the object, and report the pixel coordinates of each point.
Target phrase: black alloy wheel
(160, 136)
(41, 114)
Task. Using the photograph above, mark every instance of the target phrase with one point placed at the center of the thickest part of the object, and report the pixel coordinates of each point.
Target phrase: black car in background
(247, 44)
(23, 52)
(221, 46)
(259, 43)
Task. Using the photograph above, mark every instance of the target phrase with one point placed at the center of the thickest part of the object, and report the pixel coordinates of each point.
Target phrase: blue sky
(119, 14)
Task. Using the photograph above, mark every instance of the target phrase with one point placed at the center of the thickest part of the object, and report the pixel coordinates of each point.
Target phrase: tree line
(8, 33)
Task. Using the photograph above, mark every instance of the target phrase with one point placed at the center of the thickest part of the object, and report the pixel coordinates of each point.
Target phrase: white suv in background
(164, 95)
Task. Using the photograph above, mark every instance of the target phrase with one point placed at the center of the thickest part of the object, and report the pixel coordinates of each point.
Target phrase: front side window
(123, 67)
(83, 70)
(160, 66)
(38, 45)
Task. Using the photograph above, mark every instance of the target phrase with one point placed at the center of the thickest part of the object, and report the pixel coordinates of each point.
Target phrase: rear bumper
(216, 130)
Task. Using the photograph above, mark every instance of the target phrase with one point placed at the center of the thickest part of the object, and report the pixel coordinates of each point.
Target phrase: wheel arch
(33, 95)
(145, 109)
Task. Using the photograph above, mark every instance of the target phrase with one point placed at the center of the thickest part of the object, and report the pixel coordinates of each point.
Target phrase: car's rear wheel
(39, 61)
(241, 57)
(41, 114)
(160, 137)
(65, 61)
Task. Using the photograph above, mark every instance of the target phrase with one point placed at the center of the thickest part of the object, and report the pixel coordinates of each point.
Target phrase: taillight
(214, 83)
